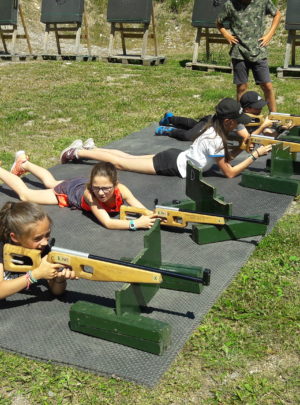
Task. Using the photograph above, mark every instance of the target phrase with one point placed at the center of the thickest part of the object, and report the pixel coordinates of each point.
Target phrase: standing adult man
(248, 52)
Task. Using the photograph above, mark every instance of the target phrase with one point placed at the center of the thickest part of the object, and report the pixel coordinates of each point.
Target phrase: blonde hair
(20, 218)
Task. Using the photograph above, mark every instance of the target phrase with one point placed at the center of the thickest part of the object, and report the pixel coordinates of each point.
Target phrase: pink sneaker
(17, 168)
(70, 153)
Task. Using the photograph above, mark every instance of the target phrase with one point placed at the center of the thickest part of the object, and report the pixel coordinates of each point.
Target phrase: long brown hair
(218, 125)
(20, 218)
(105, 169)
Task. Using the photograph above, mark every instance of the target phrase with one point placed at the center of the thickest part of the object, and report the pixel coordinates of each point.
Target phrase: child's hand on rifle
(146, 221)
(66, 273)
(263, 150)
(46, 270)
(267, 123)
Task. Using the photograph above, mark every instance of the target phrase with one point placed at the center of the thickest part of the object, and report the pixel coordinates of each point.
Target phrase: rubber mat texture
(35, 324)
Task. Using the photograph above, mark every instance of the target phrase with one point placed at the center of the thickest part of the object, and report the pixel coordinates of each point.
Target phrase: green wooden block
(232, 230)
(203, 194)
(295, 131)
(131, 330)
(172, 283)
(295, 168)
(131, 297)
(279, 185)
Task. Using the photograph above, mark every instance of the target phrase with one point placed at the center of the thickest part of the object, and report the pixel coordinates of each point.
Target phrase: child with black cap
(188, 129)
(209, 148)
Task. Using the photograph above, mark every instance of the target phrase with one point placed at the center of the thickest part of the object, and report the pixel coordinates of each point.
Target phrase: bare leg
(122, 160)
(43, 174)
(267, 88)
(240, 90)
(24, 193)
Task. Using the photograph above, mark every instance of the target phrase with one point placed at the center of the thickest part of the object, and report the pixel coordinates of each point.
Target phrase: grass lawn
(247, 348)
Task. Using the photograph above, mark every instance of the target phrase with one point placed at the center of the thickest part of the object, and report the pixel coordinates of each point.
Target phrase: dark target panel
(205, 13)
(130, 11)
(292, 19)
(8, 12)
(62, 11)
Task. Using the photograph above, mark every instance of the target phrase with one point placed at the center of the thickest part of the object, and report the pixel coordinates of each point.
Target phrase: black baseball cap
(252, 99)
(232, 109)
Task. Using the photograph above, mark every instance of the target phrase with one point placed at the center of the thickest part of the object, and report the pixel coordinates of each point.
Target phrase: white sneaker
(20, 158)
(77, 144)
(89, 144)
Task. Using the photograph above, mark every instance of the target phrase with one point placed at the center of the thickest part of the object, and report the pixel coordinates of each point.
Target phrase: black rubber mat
(36, 325)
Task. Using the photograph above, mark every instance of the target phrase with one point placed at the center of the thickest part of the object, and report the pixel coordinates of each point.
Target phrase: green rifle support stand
(282, 166)
(124, 324)
(203, 198)
(292, 135)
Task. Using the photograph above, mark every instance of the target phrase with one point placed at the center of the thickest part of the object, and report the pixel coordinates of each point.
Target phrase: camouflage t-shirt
(247, 23)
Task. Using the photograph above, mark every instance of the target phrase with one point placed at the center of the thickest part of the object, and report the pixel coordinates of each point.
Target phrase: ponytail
(218, 126)
(19, 218)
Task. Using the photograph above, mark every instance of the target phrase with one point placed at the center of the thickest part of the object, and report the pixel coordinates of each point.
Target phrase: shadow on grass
(183, 62)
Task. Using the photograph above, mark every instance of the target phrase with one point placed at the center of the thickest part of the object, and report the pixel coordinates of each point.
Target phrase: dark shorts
(165, 163)
(260, 70)
(69, 192)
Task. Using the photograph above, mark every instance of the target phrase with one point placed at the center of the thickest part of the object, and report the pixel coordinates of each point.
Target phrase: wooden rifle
(90, 267)
(280, 119)
(268, 140)
(172, 216)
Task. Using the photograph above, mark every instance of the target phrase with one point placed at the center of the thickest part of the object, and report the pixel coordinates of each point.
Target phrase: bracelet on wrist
(29, 279)
(32, 279)
(252, 157)
(132, 226)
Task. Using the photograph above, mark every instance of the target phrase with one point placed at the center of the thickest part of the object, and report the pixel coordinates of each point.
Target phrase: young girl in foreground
(210, 147)
(27, 225)
(102, 194)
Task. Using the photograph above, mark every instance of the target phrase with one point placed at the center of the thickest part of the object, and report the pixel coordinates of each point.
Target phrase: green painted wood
(273, 184)
(289, 138)
(295, 131)
(282, 167)
(172, 283)
(130, 330)
(132, 296)
(203, 194)
(295, 167)
(151, 254)
(203, 234)
(281, 162)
